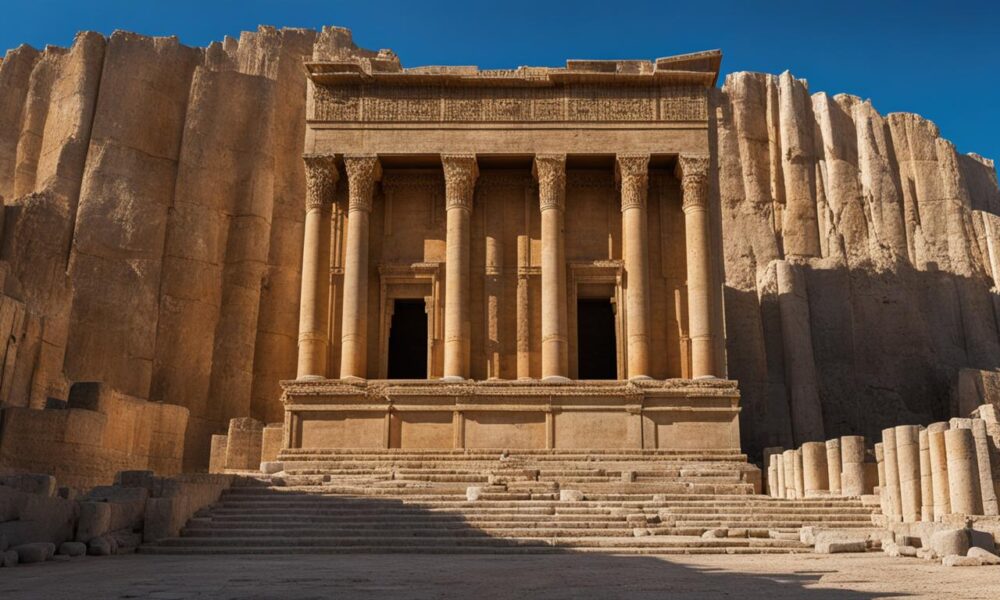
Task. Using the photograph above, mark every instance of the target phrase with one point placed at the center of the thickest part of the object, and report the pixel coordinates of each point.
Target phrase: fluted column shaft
(460, 174)
(550, 170)
(693, 171)
(633, 174)
(321, 183)
(362, 174)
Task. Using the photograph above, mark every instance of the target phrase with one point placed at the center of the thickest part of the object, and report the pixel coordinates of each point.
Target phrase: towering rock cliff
(860, 262)
(153, 219)
(152, 238)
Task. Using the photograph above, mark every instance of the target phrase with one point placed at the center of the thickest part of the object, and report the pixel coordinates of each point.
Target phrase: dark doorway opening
(596, 344)
(408, 340)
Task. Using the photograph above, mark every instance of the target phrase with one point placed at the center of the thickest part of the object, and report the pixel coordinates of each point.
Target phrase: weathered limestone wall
(861, 261)
(152, 227)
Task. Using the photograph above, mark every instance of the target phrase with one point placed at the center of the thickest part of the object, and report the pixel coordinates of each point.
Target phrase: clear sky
(939, 59)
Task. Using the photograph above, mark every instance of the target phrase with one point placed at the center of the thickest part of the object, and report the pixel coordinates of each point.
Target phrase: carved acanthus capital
(363, 171)
(460, 173)
(321, 179)
(632, 171)
(692, 169)
(550, 171)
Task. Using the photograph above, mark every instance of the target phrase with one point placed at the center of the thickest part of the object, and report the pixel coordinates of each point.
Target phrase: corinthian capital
(550, 171)
(460, 173)
(363, 171)
(632, 171)
(321, 179)
(692, 169)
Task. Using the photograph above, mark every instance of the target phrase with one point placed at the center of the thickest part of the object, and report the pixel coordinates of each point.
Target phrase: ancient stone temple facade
(521, 258)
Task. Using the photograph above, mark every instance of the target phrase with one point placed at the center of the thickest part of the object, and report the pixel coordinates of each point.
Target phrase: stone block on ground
(31, 483)
(954, 560)
(570, 495)
(8, 558)
(832, 547)
(35, 553)
(987, 558)
(950, 541)
(473, 492)
(99, 546)
(718, 532)
(95, 520)
(73, 548)
(271, 467)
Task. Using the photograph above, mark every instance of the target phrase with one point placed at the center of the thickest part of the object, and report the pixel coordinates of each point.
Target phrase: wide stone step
(488, 549)
(437, 531)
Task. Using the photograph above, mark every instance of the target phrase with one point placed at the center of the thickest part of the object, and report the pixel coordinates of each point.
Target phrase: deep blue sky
(939, 59)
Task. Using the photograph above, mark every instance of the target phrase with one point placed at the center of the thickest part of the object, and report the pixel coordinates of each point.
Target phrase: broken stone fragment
(73, 548)
(473, 492)
(954, 560)
(718, 532)
(987, 557)
(99, 546)
(570, 496)
(950, 541)
(825, 547)
(35, 553)
(8, 558)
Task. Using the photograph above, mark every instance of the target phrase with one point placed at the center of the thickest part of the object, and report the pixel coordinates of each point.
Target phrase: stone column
(550, 170)
(894, 504)
(314, 302)
(772, 476)
(779, 465)
(833, 465)
(693, 172)
(632, 171)
(908, 463)
(880, 469)
(963, 472)
(926, 480)
(460, 172)
(815, 478)
(852, 461)
(939, 470)
(363, 172)
(788, 464)
(989, 496)
(800, 488)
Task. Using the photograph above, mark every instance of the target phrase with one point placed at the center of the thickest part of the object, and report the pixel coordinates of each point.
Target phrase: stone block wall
(99, 432)
(247, 445)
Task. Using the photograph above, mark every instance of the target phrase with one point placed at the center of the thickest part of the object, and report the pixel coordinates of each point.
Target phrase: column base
(556, 379)
(452, 379)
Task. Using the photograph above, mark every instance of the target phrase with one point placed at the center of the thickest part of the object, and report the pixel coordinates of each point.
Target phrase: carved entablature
(584, 102)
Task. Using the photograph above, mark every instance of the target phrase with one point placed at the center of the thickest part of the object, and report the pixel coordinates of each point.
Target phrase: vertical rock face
(154, 205)
(153, 220)
(892, 237)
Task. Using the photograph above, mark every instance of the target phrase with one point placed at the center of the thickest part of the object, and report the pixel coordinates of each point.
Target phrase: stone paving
(484, 577)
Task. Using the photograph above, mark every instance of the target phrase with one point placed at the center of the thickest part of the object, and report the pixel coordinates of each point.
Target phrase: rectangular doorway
(597, 355)
(408, 340)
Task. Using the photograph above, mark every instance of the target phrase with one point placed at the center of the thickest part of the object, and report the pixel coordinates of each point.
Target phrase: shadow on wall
(867, 349)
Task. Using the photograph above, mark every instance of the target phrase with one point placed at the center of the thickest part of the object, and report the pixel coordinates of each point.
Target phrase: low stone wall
(843, 466)
(98, 433)
(246, 446)
(37, 519)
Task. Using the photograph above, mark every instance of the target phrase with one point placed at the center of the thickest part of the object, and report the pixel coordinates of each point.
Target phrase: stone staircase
(636, 502)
